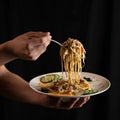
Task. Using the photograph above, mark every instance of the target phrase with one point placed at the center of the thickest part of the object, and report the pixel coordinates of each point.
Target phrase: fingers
(81, 102)
(64, 103)
(68, 104)
(37, 43)
(36, 34)
(36, 51)
(72, 103)
(39, 38)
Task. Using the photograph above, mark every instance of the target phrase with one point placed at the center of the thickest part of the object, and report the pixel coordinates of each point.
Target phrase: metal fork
(56, 42)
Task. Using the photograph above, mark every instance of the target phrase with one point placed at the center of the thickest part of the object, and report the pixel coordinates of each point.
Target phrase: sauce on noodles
(72, 59)
(72, 55)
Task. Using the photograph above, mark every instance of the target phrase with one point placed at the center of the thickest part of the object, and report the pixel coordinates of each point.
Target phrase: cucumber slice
(86, 92)
(50, 78)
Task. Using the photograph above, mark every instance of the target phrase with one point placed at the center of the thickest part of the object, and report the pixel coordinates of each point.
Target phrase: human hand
(60, 103)
(28, 46)
(72, 103)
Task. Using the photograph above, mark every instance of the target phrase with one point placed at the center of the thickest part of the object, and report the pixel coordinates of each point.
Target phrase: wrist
(5, 54)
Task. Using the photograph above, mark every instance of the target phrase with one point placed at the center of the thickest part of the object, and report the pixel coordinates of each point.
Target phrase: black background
(96, 23)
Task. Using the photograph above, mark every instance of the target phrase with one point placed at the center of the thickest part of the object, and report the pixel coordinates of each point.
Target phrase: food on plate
(50, 78)
(72, 55)
(47, 81)
(72, 59)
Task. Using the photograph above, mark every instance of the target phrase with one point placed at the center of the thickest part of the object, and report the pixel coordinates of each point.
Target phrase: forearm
(14, 87)
(28, 46)
(5, 57)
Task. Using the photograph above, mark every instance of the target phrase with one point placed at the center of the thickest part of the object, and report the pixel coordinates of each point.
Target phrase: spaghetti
(72, 55)
(72, 59)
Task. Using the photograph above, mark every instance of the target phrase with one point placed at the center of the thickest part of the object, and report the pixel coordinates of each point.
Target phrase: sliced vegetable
(86, 92)
(50, 78)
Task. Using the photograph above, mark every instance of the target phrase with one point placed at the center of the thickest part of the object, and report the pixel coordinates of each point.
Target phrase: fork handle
(56, 42)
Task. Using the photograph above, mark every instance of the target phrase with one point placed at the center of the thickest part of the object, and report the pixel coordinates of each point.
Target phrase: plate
(98, 83)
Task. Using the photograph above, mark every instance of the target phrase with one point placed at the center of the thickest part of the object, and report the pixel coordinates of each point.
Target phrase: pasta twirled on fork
(72, 55)
(72, 59)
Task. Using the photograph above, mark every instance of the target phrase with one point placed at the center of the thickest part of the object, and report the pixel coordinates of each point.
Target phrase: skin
(29, 46)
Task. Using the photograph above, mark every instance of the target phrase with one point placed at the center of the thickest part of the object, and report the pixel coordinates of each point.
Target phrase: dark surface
(96, 23)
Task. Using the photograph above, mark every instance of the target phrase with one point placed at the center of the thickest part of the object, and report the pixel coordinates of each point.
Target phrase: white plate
(99, 83)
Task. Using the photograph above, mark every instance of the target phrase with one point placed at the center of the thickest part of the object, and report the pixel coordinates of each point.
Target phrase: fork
(56, 42)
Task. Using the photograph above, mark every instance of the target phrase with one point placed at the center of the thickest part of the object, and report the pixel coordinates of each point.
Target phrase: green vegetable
(50, 78)
(86, 92)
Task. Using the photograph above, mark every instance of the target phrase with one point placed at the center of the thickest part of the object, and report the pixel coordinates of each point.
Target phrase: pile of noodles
(72, 59)
(72, 55)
